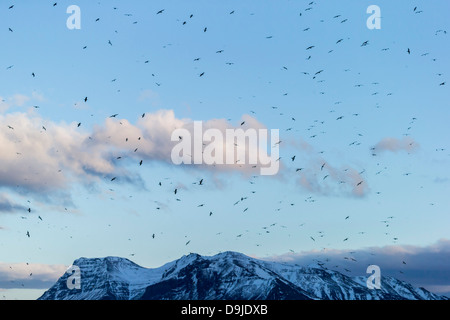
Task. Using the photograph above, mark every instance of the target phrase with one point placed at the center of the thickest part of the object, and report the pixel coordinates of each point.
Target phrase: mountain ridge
(225, 276)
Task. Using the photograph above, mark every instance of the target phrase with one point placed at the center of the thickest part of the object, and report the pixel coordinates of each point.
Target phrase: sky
(87, 116)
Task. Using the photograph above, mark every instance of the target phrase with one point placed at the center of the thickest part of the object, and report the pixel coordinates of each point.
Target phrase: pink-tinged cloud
(394, 145)
(322, 177)
(45, 157)
(29, 275)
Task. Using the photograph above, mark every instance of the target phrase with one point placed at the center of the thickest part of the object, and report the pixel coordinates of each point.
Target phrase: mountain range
(225, 276)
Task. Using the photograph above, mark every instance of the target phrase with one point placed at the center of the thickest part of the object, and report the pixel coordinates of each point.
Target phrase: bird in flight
(160, 11)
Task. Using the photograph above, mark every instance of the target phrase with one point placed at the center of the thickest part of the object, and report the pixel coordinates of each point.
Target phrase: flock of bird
(313, 132)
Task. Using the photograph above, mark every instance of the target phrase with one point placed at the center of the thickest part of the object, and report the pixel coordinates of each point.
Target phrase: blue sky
(376, 113)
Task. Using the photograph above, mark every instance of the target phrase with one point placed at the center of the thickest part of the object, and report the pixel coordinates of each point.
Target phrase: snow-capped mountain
(228, 276)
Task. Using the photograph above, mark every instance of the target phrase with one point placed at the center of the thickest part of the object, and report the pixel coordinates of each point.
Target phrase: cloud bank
(427, 267)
